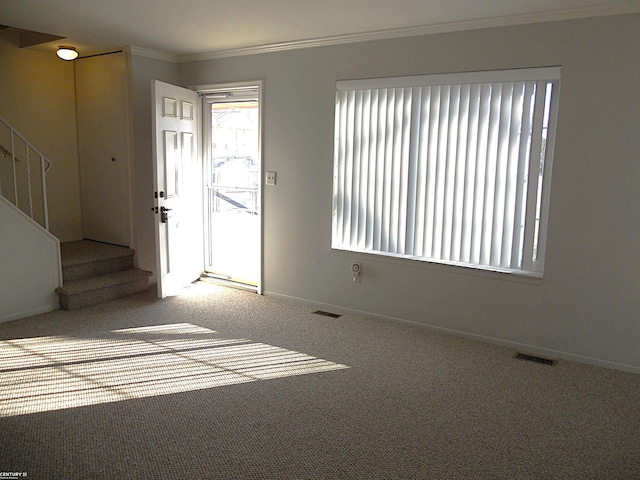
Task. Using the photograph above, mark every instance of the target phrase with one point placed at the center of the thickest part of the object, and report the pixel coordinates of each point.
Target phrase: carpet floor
(219, 383)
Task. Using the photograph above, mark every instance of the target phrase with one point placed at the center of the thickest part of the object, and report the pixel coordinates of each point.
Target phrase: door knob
(164, 214)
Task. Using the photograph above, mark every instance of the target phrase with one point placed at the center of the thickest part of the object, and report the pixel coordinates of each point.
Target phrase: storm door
(231, 120)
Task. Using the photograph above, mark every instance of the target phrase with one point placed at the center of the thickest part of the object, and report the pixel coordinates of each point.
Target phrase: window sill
(455, 268)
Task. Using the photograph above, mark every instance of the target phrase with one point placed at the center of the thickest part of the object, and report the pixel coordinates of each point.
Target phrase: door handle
(164, 214)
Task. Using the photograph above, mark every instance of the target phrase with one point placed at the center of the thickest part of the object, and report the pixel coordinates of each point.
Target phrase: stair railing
(23, 171)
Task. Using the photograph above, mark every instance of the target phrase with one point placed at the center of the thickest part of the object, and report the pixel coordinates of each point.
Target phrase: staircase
(95, 272)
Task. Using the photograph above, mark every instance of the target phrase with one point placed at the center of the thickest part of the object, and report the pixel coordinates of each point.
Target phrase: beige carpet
(224, 384)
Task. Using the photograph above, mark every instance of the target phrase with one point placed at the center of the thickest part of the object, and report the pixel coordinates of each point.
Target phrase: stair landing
(85, 251)
(95, 272)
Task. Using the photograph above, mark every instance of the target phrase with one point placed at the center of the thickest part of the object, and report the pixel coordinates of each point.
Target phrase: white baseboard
(526, 348)
(29, 313)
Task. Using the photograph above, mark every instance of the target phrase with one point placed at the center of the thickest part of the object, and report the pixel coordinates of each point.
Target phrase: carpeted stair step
(86, 259)
(91, 291)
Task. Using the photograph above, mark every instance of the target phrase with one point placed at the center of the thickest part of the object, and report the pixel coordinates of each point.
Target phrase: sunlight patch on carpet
(50, 373)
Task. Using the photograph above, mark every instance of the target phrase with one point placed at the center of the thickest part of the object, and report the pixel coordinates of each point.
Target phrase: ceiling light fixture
(67, 53)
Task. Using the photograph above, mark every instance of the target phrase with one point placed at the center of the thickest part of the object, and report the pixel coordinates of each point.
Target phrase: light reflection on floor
(50, 373)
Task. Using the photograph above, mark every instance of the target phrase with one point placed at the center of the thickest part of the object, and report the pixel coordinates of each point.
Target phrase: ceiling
(191, 29)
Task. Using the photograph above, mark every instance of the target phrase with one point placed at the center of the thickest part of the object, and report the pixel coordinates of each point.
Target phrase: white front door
(178, 188)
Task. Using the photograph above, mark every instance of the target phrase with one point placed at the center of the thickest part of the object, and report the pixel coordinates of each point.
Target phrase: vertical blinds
(445, 168)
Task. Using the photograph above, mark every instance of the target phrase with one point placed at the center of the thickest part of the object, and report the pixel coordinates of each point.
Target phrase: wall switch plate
(270, 178)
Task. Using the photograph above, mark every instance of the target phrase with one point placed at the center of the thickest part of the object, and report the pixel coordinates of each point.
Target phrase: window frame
(533, 266)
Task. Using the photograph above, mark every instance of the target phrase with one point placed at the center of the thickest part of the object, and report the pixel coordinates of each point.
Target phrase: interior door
(178, 202)
(102, 100)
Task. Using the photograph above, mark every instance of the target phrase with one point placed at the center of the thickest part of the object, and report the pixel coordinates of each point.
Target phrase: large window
(446, 168)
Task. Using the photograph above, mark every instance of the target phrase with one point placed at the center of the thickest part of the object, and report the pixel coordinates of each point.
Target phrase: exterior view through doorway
(231, 147)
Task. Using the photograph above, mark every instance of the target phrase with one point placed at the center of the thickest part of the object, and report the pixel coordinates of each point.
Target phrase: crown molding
(144, 52)
(618, 8)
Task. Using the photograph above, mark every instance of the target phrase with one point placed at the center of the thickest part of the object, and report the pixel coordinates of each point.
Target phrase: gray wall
(586, 307)
(143, 71)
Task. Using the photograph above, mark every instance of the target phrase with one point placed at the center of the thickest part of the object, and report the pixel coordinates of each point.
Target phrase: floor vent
(533, 358)
(327, 314)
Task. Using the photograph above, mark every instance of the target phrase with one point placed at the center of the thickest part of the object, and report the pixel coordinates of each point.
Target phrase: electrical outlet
(270, 178)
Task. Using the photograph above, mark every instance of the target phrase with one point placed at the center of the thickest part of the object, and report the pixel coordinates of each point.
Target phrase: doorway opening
(231, 150)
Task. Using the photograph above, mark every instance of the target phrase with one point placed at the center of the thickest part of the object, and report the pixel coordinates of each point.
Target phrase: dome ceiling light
(67, 53)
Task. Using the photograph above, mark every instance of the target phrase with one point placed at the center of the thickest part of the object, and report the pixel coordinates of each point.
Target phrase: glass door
(232, 122)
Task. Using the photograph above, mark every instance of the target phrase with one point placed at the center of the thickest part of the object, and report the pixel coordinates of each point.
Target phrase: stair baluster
(23, 185)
